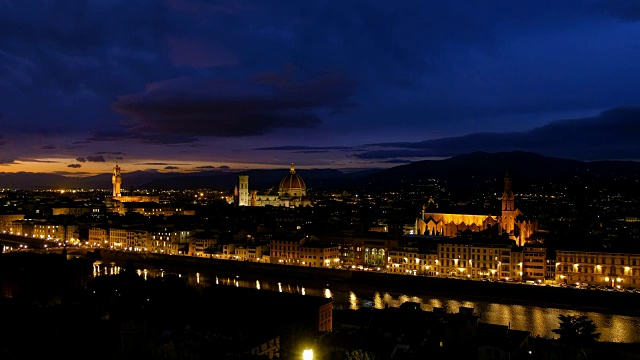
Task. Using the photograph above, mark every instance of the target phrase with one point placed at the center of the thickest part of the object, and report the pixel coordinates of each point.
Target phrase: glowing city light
(307, 354)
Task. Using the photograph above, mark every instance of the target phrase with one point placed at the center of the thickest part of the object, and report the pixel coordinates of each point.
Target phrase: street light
(307, 354)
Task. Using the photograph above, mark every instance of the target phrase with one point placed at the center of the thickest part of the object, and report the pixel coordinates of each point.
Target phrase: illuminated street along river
(537, 320)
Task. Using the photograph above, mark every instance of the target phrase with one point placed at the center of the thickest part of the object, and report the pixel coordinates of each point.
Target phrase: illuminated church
(448, 224)
(292, 192)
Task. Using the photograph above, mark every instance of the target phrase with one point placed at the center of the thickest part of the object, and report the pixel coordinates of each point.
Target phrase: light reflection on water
(537, 320)
(353, 301)
(328, 294)
(100, 269)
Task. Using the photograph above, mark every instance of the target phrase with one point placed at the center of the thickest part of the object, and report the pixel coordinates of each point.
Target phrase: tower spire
(508, 206)
(508, 192)
(292, 169)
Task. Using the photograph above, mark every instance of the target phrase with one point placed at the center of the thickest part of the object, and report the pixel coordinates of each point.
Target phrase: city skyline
(181, 86)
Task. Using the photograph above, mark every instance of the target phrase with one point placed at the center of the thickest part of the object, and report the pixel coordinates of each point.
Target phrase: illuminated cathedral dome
(292, 185)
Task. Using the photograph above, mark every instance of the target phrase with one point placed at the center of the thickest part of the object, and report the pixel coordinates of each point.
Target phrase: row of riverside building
(428, 255)
(491, 258)
(499, 260)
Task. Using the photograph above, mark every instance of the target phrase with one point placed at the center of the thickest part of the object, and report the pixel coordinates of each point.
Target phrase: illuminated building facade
(54, 231)
(142, 241)
(319, 255)
(459, 259)
(479, 260)
(22, 227)
(363, 251)
(618, 270)
(7, 222)
(74, 211)
(550, 269)
(454, 260)
(98, 237)
(125, 239)
(286, 251)
(450, 224)
(534, 263)
(493, 260)
(162, 241)
(155, 209)
(517, 264)
(45, 230)
(251, 253)
(412, 261)
(199, 245)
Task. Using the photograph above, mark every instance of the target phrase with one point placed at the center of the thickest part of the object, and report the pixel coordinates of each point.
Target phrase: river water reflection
(538, 320)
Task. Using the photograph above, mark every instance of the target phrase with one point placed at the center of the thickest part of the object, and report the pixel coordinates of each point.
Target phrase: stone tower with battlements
(116, 181)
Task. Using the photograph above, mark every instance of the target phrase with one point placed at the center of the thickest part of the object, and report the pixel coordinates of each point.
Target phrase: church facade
(450, 224)
(292, 192)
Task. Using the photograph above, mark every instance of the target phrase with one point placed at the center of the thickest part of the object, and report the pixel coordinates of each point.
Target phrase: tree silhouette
(359, 355)
(576, 330)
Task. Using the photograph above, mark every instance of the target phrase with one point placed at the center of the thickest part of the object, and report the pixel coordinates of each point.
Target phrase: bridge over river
(15, 242)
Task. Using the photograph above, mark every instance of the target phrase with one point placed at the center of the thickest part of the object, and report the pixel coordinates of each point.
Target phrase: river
(535, 319)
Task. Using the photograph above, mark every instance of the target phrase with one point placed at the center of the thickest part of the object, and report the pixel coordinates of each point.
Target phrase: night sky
(189, 85)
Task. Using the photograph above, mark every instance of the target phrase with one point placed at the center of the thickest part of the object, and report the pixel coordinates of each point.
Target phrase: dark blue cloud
(211, 167)
(235, 107)
(628, 10)
(175, 72)
(158, 164)
(91, 158)
(72, 58)
(109, 153)
(95, 158)
(302, 148)
(396, 161)
(614, 134)
(154, 138)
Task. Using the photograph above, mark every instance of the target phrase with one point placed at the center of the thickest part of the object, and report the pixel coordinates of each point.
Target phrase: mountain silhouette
(472, 170)
(462, 171)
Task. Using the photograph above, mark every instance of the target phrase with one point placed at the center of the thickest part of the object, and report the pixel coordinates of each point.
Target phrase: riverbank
(614, 302)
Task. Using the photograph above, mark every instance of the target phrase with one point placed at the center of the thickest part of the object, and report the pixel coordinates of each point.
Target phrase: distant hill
(480, 167)
(258, 179)
(27, 180)
(463, 171)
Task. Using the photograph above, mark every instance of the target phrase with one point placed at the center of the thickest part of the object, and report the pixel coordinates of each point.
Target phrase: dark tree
(577, 330)
(359, 355)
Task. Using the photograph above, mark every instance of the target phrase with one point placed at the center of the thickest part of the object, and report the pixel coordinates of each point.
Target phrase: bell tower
(508, 207)
(243, 191)
(116, 181)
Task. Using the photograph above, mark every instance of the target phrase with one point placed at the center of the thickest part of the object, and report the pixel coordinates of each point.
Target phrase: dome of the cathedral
(292, 185)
